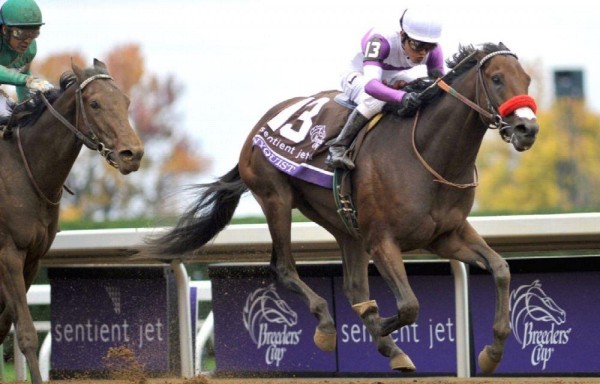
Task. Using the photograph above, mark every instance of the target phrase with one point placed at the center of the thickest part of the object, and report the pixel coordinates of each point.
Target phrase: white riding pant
(5, 107)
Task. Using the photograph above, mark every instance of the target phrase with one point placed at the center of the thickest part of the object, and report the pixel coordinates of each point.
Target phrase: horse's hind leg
(275, 196)
(14, 294)
(356, 288)
(468, 247)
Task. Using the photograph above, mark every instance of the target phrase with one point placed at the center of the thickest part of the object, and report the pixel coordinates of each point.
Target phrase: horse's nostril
(526, 130)
(126, 155)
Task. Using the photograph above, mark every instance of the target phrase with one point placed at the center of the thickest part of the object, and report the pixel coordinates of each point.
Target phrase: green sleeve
(12, 76)
(22, 91)
(12, 68)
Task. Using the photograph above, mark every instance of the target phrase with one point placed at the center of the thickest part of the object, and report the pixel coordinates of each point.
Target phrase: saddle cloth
(294, 139)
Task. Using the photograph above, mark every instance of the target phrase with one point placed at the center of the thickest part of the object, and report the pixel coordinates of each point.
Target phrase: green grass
(9, 373)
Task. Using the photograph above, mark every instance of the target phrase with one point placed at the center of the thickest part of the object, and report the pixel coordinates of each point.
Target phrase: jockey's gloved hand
(37, 84)
(409, 104)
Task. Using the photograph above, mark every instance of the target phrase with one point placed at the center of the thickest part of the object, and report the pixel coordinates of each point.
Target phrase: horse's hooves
(325, 341)
(486, 364)
(403, 363)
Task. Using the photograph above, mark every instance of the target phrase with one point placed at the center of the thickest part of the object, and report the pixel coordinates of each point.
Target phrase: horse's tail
(212, 211)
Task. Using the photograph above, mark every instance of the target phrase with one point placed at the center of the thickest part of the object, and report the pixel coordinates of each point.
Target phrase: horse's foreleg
(468, 247)
(14, 294)
(388, 260)
(5, 323)
(356, 289)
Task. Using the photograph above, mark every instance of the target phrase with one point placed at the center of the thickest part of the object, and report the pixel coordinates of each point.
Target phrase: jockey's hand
(397, 84)
(37, 84)
(409, 104)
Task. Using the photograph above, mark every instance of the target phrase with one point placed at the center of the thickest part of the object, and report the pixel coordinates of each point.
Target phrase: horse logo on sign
(269, 321)
(535, 321)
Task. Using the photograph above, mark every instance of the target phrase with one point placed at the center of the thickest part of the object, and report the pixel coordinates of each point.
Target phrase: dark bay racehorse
(34, 164)
(413, 188)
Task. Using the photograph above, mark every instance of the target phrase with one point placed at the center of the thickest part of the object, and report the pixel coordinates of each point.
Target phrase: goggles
(24, 34)
(419, 46)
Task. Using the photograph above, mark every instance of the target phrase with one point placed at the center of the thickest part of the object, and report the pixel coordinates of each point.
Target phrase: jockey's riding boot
(338, 157)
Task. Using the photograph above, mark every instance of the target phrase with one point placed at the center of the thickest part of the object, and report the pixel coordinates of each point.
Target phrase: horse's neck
(50, 147)
(452, 131)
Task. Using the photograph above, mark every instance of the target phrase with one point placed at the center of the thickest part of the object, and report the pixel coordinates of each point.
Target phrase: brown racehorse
(34, 164)
(413, 189)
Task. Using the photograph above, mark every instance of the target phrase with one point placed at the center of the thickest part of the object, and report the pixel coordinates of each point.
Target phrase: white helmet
(421, 24)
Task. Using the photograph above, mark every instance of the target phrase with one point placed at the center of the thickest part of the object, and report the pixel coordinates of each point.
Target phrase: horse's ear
(78, 71)
(100, 66)
(503, 47)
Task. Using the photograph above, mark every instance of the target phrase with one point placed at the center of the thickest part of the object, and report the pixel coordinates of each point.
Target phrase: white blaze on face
(525, 113)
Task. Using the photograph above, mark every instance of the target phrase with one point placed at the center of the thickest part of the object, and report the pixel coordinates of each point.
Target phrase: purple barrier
(94, 309)
(554, 314)
(430, 342)
(261, 327)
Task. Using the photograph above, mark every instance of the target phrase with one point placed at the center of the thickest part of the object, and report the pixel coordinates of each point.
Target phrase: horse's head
(503, 86)
(104, 119)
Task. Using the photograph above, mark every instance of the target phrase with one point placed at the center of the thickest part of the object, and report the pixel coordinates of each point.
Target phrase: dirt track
(411, 380)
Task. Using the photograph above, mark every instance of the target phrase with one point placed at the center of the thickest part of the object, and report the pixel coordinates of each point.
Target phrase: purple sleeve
(436, 60)
(381, 91)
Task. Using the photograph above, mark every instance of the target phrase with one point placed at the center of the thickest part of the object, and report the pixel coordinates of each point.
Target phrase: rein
(438, 178)
(30, 174)
(497, 122)
(90, 142)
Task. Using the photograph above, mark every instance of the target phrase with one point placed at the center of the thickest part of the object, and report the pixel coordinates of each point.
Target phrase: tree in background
(171, 157)
(558, 174)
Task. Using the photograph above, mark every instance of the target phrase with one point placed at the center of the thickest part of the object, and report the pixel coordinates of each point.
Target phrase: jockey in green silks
(20, 22)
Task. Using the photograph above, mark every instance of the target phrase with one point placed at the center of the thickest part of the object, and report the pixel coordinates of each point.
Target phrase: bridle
(493, 114)
(92, 141)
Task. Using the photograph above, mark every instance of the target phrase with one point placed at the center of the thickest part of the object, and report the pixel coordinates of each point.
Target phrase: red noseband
(516, 102)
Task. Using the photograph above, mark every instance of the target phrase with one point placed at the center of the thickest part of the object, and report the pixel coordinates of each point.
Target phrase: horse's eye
(94, 104)
(496, 80)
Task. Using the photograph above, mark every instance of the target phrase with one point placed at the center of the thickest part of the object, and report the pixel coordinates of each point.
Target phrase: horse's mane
(27, 113)
(419, 85)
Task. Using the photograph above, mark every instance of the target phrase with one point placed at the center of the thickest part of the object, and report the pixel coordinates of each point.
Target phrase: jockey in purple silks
(383, 64)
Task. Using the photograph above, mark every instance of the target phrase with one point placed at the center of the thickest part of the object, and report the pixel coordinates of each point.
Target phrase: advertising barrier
(262, 327)
(555, 308)
(95, 309)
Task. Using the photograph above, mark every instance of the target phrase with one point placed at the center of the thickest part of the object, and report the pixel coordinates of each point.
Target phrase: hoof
(325, 341)
(486, 364)
(402, 363)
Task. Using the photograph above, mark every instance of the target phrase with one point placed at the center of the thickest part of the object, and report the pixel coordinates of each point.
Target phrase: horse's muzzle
(524, 134)
(129, 160)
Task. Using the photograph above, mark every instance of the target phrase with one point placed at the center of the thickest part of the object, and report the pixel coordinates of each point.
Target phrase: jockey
(379, 69)
(20, 22)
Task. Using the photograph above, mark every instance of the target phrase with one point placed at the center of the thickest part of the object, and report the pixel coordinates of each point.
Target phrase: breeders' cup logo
(269, 320)
(317, 135)
(537, 322)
